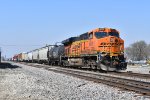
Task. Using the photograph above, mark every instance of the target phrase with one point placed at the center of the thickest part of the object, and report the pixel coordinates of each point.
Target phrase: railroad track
(126, 74)
(127, 84)
(130, 74)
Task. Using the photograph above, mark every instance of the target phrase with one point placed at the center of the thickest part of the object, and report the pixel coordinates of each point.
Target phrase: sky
(29, 24)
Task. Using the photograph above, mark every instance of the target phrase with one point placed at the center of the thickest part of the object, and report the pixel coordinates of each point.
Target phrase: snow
(139, 69)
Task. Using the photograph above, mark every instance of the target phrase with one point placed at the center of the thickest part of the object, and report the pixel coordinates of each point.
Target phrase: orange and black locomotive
(101, 48)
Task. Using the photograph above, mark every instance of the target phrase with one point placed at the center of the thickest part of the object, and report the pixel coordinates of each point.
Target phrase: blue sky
(29, 24)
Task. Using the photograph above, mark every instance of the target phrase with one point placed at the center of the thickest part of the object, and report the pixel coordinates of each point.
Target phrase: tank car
(54, 55)
(101, 48)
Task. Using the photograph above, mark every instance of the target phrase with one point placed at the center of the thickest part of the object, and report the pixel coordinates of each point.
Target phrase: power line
(14, 45)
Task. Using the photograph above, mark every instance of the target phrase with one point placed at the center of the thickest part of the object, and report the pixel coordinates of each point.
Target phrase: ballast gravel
(30, 83)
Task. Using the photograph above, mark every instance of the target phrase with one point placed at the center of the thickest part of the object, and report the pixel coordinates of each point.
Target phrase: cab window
(90, 35)
(100, 34)
(114, 34)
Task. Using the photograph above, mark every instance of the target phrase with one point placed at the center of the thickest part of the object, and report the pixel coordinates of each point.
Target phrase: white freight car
(30, 56)
(35, 55)
(43, 54)
(25, 57)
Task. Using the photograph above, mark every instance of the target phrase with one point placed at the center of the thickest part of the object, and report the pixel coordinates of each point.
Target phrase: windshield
(114, 34)
(100, 34)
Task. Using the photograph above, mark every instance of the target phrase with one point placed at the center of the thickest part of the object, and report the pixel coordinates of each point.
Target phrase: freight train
(100, 49)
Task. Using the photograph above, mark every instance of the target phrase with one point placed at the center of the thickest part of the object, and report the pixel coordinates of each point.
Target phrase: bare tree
(148, 51)
(138, 51)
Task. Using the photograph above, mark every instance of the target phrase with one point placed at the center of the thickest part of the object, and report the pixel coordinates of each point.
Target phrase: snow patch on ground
(139, 69)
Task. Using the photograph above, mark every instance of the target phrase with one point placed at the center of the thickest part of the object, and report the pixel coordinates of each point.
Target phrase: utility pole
(0, 54)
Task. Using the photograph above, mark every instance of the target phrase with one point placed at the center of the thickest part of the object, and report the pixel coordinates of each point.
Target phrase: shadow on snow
(8, 65)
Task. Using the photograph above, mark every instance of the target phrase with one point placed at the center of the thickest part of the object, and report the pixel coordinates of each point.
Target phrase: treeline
(137, 51)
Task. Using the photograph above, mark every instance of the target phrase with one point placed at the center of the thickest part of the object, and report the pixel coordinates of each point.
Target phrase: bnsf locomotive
(100, 49)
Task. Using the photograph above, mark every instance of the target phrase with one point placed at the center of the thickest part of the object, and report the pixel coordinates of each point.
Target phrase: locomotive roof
(83, 36)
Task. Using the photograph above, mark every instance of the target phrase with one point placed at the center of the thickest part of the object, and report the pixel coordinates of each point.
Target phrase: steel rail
(130, 74)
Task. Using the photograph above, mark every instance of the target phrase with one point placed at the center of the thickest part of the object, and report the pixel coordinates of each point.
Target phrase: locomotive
(100, 49)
